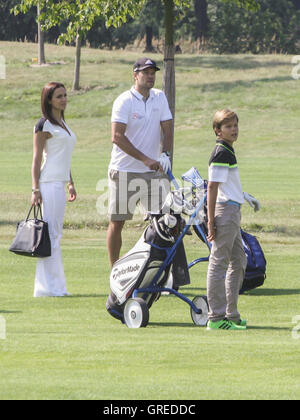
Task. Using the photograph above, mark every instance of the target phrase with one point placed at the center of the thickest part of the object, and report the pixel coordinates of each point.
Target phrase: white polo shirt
(223, 168)
(230, 185)
(57, 153)
(142, 121)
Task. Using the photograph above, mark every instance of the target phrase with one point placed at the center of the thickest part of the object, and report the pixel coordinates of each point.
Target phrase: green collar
(226, 146)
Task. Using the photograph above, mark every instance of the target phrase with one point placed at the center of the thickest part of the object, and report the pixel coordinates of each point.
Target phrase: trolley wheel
(136, 313)
(201, 303)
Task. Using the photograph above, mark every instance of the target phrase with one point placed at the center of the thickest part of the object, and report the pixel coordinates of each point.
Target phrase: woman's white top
(57, 153)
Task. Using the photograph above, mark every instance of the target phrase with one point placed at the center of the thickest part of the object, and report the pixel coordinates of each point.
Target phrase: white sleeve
(44, 126)
(218, 173)
(166, 114)
(121, 110)
(48, 127)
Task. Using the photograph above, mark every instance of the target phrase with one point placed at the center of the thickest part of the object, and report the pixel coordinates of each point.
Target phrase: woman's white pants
(50, 277)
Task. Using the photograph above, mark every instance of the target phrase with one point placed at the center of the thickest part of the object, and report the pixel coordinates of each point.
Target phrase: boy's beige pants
(227, 264)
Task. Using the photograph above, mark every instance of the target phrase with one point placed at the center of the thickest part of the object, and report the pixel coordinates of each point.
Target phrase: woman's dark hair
(46, 97)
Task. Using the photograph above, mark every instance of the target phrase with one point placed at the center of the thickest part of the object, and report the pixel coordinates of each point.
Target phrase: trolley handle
(173, 180)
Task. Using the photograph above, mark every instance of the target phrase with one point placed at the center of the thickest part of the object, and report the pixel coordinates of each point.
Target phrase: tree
(296, 4)
(272, 29)
(149, 22)
(41, 56)
(169, 51)
(41, 49)
(80, 16)
(202, 21)
(16, 28)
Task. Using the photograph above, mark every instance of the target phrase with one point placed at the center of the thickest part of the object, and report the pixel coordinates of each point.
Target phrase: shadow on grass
(231, 62)
(189, 289)
(272, 292)
(8, 223)
(191, 325)
(227, 62)
(228, 86)
(269, 328)
(172, 324)
(10, 312)
(92, 295)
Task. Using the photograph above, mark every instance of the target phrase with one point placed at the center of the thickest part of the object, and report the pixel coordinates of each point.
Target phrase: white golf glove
(253, 202)
(165, 162)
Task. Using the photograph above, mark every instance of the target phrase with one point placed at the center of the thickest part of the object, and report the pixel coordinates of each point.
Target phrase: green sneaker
(224, 324)
(241, 322)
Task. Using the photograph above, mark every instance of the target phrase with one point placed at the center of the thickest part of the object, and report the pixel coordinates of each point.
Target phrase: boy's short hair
(222, 117)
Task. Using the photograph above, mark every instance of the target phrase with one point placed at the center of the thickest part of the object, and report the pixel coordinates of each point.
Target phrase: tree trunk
(202, 20)
(77, 63)
(149, 37)
(169, 57)
(41, 52)
(169, 76)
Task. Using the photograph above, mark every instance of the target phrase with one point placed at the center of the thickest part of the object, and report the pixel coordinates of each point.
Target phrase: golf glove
(252, 201)
(165, 162)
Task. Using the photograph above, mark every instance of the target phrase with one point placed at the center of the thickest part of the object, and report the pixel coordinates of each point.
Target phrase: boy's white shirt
(230, 187)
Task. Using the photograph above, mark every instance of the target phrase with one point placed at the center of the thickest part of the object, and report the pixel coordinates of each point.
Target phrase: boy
(227, 261)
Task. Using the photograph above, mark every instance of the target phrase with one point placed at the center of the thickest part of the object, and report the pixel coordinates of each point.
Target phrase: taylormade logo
(124, 271)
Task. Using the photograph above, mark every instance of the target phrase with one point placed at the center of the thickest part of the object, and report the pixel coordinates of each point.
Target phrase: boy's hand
(211, 231)
(253, 202)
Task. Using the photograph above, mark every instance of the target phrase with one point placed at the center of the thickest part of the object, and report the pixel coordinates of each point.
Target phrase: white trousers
(50, 277)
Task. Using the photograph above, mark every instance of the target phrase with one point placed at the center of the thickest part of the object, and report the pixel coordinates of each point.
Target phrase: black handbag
(32, 238)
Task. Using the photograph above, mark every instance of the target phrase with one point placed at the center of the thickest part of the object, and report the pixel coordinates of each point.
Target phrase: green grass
(70, 348)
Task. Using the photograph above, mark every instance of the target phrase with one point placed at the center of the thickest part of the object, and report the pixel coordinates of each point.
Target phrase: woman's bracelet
(34, 190)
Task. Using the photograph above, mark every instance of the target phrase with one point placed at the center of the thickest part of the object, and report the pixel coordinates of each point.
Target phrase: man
(136, 167)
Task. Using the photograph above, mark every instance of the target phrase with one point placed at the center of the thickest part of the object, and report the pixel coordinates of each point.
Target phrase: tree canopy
(229, 28)
(80, 14)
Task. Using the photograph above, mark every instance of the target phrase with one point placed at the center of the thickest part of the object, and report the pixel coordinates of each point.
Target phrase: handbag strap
(36, 211)
(29, 213)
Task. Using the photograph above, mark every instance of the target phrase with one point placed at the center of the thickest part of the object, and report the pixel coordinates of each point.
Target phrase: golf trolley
(139, 277)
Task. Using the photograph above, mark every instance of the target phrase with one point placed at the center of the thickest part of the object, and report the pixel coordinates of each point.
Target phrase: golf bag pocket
(126, 273)
(256, 263)
(151, 271)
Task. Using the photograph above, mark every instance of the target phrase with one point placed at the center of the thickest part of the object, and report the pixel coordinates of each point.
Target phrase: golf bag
(256, 263)
(138, 268)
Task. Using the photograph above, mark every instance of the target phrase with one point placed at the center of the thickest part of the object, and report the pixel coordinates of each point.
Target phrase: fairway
(70, 348)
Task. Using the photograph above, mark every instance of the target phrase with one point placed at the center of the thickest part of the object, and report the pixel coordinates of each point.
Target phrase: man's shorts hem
(120, 217)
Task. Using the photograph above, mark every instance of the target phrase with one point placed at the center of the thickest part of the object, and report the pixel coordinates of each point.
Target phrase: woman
(54, 141)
